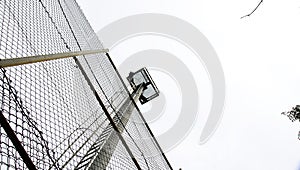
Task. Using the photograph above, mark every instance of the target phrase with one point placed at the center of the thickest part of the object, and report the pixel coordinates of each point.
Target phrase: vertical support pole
(14, 139)
(107, 113)
(106, 150)
(148, 128)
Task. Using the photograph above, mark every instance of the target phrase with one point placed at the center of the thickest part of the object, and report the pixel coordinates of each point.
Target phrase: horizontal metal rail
(40, 58)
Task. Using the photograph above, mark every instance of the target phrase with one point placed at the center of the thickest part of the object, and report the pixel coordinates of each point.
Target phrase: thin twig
(248, 15)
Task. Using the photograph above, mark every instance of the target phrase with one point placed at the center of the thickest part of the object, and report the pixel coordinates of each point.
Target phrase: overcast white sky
(260, 58)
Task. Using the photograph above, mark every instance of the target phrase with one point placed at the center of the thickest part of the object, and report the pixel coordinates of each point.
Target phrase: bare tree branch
(248, 15)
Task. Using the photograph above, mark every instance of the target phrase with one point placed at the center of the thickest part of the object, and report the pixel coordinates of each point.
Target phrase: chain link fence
(50, 106)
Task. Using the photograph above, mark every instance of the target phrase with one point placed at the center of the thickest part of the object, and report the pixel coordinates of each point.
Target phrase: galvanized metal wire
(50, 105)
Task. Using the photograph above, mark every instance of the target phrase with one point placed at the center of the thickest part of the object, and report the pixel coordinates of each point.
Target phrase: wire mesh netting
(50, 105)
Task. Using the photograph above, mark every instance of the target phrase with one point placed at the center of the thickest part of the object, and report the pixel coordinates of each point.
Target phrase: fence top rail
(40, 58)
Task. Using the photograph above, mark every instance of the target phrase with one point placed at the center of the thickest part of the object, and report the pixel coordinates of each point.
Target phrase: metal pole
(39, 58)
(101, 152)
(110, 119)
(14, 139)
(105, 153)
(140, 113)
